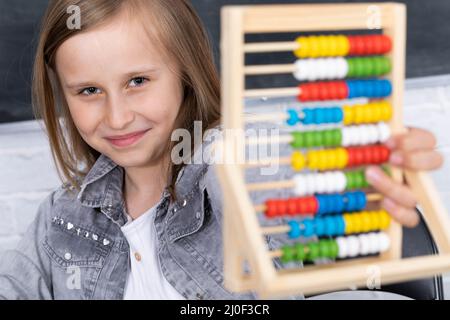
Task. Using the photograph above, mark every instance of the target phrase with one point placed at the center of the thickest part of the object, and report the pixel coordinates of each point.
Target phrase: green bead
(300, 252)
(337, 137)
(350, 181)
(313, 252)
(358, 67)
(309, 139)
(359, 179)
(386, 65)
(297, 139)
(318, 138)
(334, 249)
(351, 68)
(288, 254)
(368, 66)
(324, 249)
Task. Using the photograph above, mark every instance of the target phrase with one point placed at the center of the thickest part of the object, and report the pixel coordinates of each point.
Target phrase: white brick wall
(28, 173)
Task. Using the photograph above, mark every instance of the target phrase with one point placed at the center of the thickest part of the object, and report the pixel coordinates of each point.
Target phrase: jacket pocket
(69, 245)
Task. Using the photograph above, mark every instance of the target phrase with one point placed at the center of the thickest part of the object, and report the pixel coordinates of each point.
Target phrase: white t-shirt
(145, 281)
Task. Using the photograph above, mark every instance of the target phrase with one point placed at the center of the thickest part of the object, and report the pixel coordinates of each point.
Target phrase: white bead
(67, 256)
(384, 241)
(300, 185)
(310, 182)
(384, 132)
(341, 181)
(346, 136)
(374, 242)
(321, 183)
(364, 243)
(353, 246)
(343, 247)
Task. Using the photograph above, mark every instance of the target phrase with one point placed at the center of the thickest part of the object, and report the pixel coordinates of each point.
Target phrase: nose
(118, 114)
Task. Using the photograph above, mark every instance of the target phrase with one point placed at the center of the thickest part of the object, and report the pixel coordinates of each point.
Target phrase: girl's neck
(143, 187)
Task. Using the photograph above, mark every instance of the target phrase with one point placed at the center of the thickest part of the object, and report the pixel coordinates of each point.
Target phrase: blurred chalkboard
(428, 45)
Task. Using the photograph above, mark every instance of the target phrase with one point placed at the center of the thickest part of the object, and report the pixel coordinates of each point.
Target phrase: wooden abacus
(378, 54)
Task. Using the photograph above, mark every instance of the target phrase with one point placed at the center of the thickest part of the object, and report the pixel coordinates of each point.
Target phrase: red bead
(271, 208)
(292, 206)
(313, 205)
(385, 154)
(386, 43)
(302, 205)
(368, 153)
(282, 207)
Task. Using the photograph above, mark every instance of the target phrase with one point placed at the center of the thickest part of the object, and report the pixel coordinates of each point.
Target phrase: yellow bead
(333, 49)
(302, 51)
(366, 221)
(375, 218)
(343, 45)
(314, 47)
(348, 114)
(357, 223)
(376, 111)
(348, 223)
(331, 159)
(297, 161)
(322, 44)
(386, 111)
(359, 114)
(385, 220)
(341, 158)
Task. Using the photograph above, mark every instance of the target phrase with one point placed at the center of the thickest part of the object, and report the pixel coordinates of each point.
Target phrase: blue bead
(338, 115)
(308, 116)
(351, 89)
(361, 200)
(295, 231)
(308, 227)
(340, 225)
(387, 87)
(349, 201)
(320, 116)
(293, 117)
(338, 203)
(329, 226)
(320, 226)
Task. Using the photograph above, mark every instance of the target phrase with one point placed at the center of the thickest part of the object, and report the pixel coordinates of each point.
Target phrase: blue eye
(138, 81)
(89, 91)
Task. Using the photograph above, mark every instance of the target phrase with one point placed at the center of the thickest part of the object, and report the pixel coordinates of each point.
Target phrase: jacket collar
(102, 188)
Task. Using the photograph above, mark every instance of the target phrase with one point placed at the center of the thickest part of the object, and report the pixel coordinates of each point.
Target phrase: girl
(128, 222)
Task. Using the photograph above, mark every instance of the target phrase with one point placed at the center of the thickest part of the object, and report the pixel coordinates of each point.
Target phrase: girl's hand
(413, 150)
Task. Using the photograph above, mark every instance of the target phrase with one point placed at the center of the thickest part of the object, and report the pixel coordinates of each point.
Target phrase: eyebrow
(131, 74)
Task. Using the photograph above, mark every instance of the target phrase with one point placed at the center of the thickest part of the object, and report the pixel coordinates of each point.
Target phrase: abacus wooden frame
(243, 239)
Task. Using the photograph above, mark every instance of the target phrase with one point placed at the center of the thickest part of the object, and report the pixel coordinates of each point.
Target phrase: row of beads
(341, 247)
(340, 68)
(328, 182)
(338, 90)
(316, 205)
(347, 136)
(339, 158)
(372, 112)
(339, 225)
(340, 45)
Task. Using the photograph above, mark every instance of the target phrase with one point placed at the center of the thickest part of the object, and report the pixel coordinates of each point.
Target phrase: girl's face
(117, 83)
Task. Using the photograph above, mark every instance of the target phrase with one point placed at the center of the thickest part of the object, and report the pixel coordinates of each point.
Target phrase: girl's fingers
(414, 139)
(417, 160)
(398, 192)
(405, 216)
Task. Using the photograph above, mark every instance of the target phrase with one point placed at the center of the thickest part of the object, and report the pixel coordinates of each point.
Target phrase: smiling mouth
(128, 140)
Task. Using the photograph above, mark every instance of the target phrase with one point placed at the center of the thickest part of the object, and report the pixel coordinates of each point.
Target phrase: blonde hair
(178, 31)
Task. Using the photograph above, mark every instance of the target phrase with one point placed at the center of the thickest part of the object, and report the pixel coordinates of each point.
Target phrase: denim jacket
(75, 248)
